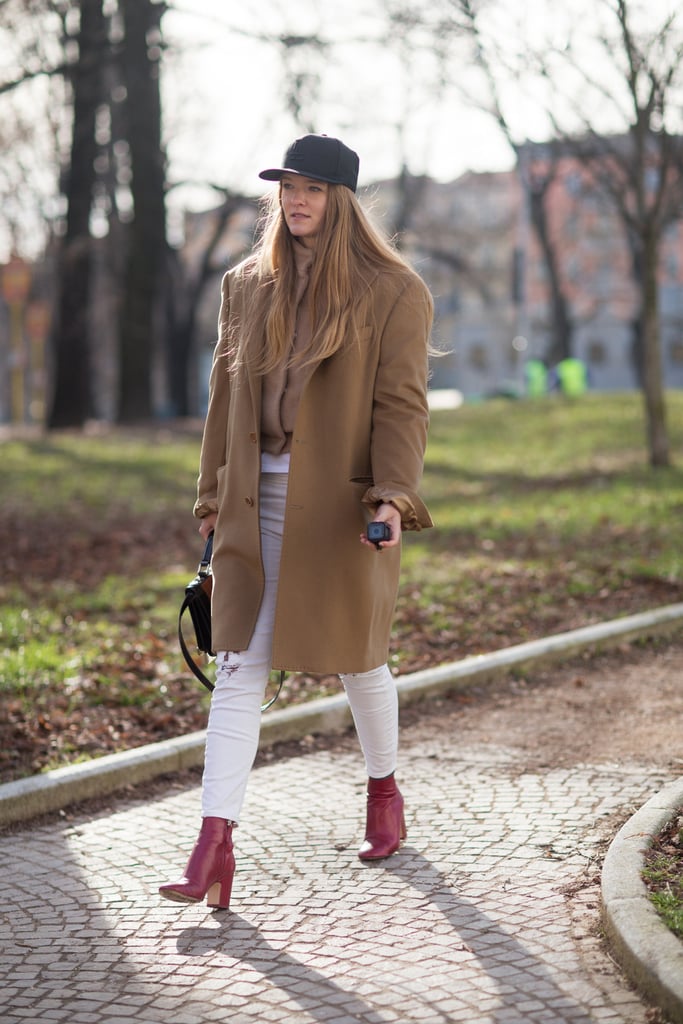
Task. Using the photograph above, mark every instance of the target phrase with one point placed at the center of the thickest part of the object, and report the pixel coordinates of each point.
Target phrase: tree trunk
(146, 242)
(635, 249)
(178, 336)
(653, 388)
(186, 288)
(561, 347)
(71, 401)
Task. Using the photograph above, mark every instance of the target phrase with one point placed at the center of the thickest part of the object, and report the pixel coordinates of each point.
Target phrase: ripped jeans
(235, 717)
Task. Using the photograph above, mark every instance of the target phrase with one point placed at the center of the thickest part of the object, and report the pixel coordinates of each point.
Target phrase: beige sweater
(283, 386)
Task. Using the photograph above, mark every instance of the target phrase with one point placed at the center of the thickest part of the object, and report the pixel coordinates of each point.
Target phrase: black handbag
(197, 601)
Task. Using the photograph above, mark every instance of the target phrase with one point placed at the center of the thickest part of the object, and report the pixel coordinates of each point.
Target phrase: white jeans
(235, 716)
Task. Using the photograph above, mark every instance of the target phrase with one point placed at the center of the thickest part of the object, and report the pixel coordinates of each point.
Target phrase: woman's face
(303, 202)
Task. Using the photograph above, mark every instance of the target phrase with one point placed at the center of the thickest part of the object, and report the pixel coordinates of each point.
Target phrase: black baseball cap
(320, 157)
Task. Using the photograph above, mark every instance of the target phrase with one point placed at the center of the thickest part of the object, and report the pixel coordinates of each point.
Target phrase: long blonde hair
(348, 250)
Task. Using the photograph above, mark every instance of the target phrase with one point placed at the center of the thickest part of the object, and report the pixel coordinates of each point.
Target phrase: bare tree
(102, 49)
(71, 403)
(640, 171)
(460, 22)
(537, 177)
(32, 97)
(634, 70)
(187, 281)
(146, 242)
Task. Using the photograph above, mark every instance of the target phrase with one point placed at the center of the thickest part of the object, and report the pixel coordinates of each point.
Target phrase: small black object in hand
(377, 532)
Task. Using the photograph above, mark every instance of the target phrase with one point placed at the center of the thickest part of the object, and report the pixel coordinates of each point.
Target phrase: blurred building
(474, 242)
(596, 277)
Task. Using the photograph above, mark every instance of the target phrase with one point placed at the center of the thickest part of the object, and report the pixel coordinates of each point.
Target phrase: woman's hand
(392, 517)
(207, 524)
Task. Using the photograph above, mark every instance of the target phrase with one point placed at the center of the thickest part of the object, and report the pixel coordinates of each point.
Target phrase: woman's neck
(303, 255)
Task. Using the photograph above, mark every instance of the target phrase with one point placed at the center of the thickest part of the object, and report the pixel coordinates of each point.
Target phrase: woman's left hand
(392, 517)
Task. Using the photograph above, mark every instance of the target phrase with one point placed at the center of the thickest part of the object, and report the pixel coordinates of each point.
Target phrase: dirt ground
(623, 706)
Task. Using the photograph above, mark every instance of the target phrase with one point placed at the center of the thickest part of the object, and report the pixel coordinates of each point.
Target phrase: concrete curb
(651, 955)
(54, 790)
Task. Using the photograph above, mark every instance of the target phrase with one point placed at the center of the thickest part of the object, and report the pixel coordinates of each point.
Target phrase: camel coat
(359, 439)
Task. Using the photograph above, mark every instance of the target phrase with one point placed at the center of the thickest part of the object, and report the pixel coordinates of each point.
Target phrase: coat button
(253, 438)
(249, 502)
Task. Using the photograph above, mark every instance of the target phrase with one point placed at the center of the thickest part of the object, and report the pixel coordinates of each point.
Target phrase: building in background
(475, 243)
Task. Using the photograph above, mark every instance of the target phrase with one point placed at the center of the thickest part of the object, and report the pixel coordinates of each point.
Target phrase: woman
(316, 425)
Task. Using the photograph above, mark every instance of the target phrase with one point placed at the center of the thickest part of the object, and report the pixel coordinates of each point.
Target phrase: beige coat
(359, 438)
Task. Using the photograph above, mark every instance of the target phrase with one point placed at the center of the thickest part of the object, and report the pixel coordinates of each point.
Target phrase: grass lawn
(547, 518)
(663, 874)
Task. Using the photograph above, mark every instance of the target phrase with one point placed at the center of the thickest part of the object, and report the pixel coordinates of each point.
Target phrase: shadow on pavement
(515, 977)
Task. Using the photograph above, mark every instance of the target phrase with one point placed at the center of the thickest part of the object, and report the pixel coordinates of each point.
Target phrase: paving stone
(470, 921)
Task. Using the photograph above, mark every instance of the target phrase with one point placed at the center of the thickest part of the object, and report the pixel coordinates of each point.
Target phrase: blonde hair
(348, 249)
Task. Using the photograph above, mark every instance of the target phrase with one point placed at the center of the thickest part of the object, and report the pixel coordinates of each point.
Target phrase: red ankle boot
(210, 869)
(385, 827)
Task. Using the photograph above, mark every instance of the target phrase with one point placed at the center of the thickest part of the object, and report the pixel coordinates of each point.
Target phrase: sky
(224, 108)
(225, 93)
(224, 101)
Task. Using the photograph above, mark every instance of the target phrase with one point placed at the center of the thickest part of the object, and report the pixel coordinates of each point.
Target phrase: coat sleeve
(400, 417)
(213, 451)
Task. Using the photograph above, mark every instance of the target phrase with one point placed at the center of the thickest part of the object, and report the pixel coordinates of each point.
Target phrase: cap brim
(274, 173)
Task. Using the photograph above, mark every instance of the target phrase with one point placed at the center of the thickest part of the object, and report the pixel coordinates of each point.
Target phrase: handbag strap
(189, 660)
(269, 704)
(196, 671)
(205, 564)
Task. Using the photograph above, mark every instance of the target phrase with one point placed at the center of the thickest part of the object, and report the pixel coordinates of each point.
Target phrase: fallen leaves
(133, 691)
